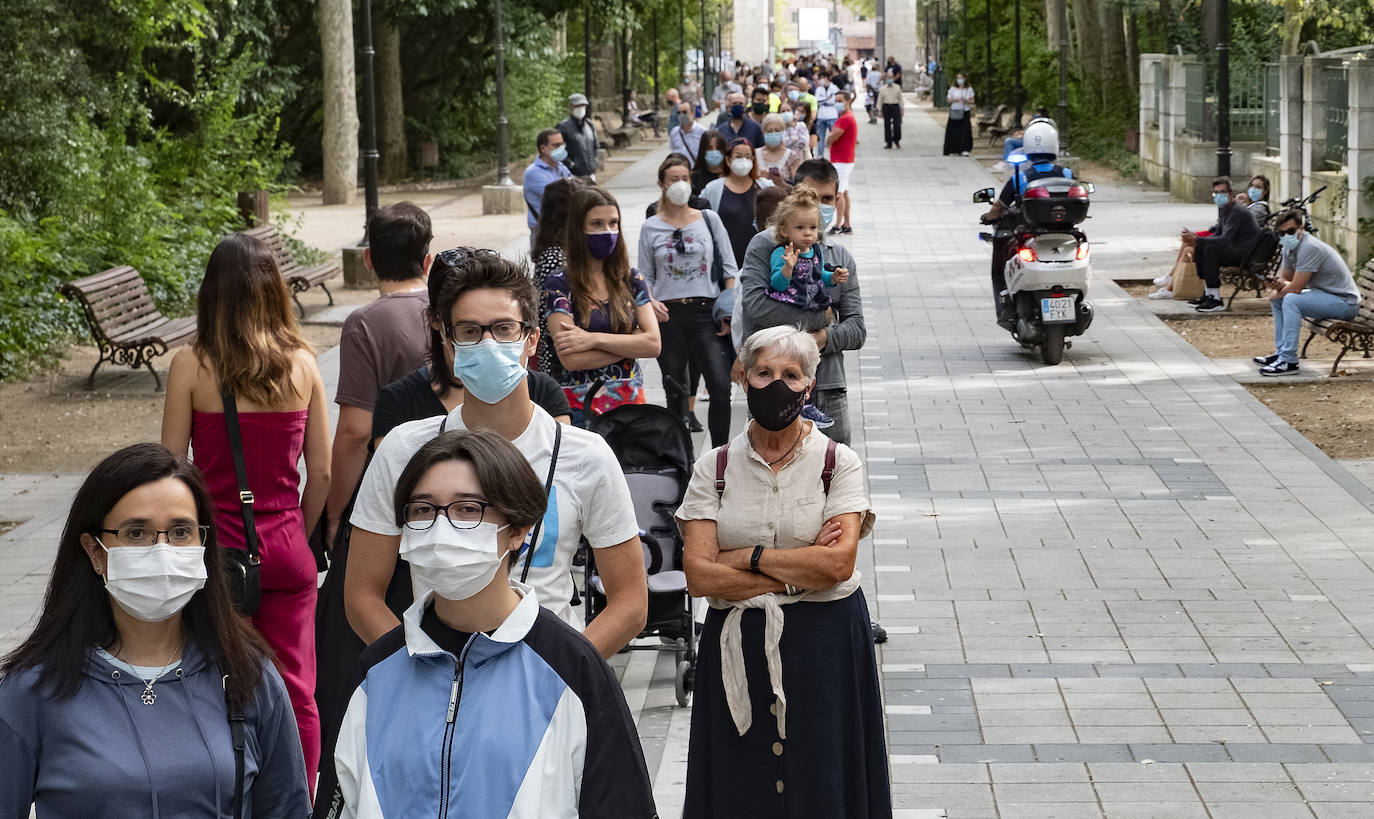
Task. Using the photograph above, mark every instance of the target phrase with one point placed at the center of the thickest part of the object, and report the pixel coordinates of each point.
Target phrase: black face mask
(776, 405)
(737, 111)
(760, 108)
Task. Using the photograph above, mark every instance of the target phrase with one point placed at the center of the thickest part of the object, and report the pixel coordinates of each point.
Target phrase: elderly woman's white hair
(773, 119)
(786, 341)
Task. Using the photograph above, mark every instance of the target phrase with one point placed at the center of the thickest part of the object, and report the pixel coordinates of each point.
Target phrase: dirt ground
(1336, 414)
(54, 425)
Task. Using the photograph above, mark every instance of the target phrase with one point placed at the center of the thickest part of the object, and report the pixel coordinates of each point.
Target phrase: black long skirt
(959, 135)
(833, 762)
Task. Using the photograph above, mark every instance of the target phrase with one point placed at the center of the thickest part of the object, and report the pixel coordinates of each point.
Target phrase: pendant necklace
(149, 696)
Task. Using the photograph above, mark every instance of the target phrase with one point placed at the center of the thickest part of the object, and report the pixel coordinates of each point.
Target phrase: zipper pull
(453, 700)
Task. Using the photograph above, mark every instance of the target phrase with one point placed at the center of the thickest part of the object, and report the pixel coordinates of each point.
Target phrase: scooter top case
(1055, 202)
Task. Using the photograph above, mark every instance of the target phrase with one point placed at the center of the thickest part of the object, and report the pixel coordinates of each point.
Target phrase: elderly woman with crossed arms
(788, 715)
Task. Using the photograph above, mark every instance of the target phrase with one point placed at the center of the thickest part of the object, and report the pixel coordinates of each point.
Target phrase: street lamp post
(370, 153)
(587, 49)
(987, 30)
(502, 125)
(707, 87)
(1224, 88)
(1020, 93)
(1062, 11)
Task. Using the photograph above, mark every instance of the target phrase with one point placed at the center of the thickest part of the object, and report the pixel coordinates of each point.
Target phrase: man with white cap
(580, 138)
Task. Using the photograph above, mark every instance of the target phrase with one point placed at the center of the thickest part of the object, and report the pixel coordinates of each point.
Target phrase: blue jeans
(1294, 307)
(822, 128)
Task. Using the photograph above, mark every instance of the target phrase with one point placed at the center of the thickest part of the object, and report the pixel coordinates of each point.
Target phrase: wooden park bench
(299, 278)
(992, 120)
(1261, 264)
(126, 325)
(1356, 334)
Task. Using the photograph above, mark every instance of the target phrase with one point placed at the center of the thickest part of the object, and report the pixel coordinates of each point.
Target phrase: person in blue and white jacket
(481, 704)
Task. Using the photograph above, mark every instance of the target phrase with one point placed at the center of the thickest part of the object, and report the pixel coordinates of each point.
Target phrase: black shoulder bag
(242, 567)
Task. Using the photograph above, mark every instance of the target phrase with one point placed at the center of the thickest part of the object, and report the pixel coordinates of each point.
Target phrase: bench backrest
(1365, 281)
(270, 236)
(115, 301)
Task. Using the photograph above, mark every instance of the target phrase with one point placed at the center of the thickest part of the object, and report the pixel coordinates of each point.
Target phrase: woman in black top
(703, 171)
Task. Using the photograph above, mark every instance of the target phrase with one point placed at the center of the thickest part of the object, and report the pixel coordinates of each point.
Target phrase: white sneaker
(1162, 280)
(1162, 293)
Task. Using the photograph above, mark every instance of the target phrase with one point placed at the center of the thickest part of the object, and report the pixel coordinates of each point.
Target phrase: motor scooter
(1047, 268)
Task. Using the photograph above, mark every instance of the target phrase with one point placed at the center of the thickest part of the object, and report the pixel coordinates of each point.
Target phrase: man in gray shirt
(847, 332)
(1314, 283)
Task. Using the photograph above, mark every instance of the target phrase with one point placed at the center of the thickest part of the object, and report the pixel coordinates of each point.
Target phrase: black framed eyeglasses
(678, 244)
(468, 333)
(461, 514)
(181, 534)
(1291, 231)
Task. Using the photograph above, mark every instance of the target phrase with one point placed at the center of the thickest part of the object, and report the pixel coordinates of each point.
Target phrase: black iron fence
(1337, 114)
(1249, 103)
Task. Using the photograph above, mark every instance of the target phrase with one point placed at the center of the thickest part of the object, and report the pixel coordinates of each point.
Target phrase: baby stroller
(655, 453)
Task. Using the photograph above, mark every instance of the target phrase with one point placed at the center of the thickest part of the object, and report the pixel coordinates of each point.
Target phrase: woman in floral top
(598, 311)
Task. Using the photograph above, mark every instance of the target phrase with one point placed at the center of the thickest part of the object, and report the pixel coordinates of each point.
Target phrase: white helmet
(1041, 138)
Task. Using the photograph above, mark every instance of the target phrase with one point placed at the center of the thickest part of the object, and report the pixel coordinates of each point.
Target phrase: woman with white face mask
(508, 698)
(959, 130)
(686, 259)
(733, 195)
(119, 702)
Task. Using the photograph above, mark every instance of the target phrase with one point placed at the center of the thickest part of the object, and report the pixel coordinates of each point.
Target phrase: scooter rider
(1040, 148)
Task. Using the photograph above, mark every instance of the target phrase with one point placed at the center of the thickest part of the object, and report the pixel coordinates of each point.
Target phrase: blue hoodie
(102, 752)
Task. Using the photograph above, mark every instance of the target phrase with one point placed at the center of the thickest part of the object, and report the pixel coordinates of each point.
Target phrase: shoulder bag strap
(250, 531)
(828, 473)
(722, 460)
(238, 734)
(548, 489)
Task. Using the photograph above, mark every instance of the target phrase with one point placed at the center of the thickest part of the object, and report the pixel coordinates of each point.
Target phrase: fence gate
(1337, 115)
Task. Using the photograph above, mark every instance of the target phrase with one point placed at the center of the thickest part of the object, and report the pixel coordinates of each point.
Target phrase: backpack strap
(828, 473)
(722, 460)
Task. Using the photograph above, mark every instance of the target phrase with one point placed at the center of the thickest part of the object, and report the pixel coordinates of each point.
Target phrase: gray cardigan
(758, 311)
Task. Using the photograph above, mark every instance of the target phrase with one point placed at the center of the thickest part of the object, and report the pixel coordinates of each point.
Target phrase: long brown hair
(76, 612)
(245, 329)
(615, 268)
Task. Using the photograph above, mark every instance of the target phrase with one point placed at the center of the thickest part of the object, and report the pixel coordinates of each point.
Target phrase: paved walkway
(1118, 587)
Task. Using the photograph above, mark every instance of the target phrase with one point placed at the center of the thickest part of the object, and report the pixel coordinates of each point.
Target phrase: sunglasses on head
(678, 244)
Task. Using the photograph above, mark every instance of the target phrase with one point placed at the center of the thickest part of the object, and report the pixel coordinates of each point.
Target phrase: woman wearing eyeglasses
(119, 702)
(482, 703)
(248, 345)
(687, 262)
(598, 310)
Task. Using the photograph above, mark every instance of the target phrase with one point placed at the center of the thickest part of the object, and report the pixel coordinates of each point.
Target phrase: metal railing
(1337, 114)
(1272, 104)
(1195, 119)
(1248, 103)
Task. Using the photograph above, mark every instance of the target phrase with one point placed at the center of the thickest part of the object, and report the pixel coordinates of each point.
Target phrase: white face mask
(153, 583)
(579, 111)
(679, 192)
(456, 563)
(741, 167)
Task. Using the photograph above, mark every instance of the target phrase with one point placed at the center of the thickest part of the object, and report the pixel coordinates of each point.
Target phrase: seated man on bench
(1313, 283)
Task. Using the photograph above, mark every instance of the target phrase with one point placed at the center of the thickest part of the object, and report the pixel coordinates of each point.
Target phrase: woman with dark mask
(598, 311)
(771, 525)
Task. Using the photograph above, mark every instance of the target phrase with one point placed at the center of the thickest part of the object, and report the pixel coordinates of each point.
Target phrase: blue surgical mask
(1289, 242)
(1256, 194)
(1221, 199)
(560, 153)
(794, 95)
(839, 106)
(773, 138)
(827, 216)
(714, 157)
(787, 117)
(490, 370)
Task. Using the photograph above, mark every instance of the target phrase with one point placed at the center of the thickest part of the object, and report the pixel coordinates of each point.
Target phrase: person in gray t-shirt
(1314, 283)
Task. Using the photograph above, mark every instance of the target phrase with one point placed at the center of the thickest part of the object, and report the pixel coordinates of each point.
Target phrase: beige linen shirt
(782, 511)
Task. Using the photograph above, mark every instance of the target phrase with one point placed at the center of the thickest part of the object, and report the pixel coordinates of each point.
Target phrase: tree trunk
(340, 141)
(1115, 68)
(391, 132)
(1292, 27)
(1133, 49)
(1088, 33)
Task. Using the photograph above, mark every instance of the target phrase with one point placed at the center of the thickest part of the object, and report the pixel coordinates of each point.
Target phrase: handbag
(957, 113)
(717, 264)
(242, 567)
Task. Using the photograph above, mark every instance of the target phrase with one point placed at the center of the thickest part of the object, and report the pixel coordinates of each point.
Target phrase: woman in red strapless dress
(248, 342)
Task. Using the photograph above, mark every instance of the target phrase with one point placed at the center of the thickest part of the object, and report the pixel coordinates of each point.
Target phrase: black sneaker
(879, 633)
(1265, 360)
(1280, 368)
(693, 423)
(1210, 304)
(1199, 300)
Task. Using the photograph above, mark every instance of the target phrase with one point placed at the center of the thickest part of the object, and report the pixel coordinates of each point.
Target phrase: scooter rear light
(1082, 252)
(1027, 254)
(1078, 192)
(1037, 193)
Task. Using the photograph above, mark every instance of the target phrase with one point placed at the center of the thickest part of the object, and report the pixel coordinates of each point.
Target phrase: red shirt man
(843, 140)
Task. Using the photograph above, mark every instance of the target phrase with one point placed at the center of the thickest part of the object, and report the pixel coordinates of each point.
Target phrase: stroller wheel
(686, 677)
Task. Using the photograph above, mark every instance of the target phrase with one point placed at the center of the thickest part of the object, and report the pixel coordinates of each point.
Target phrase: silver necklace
(149, 696)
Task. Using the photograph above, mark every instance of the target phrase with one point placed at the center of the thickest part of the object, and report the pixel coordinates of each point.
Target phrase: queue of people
(183, 618)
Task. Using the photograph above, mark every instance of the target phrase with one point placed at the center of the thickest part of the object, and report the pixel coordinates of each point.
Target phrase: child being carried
(800, 275)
